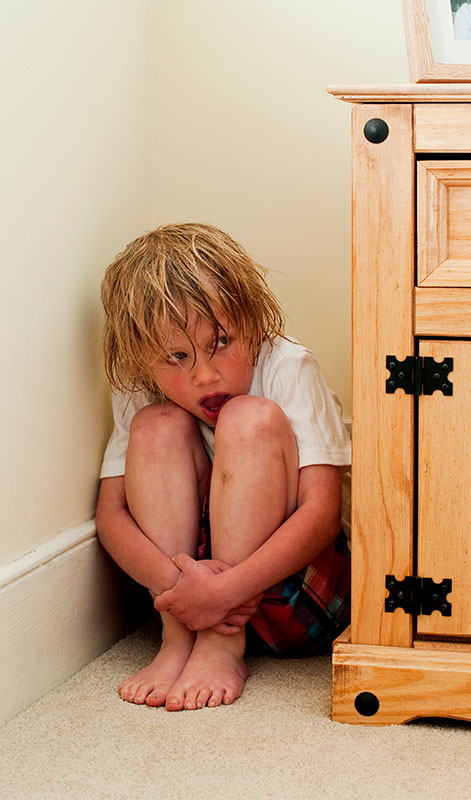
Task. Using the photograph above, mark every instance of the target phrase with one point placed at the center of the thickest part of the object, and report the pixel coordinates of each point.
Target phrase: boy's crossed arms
(212, 594)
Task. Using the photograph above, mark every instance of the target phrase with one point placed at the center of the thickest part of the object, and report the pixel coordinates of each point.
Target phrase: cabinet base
(376, 685)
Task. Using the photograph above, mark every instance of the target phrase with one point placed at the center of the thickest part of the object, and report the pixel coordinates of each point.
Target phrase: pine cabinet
(407, 653)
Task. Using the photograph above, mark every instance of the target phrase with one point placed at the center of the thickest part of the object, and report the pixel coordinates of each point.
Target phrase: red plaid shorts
(302, 614)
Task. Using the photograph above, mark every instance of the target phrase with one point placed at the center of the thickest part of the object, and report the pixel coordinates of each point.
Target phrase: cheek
(176, 385)
(172, 383)
(242, 374)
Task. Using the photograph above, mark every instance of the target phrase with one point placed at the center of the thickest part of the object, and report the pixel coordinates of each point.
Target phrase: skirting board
(60, 607)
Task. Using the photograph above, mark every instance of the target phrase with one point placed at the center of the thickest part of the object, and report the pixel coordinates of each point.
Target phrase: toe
(216, 698)
(231, 693)
(203, 697)
(157, 697)
(143, 690)
(127, 691)
(176, 698)
(190, 698)
(229, 696)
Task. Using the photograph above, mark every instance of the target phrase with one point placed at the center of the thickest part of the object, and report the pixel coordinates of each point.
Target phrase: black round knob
(366, 703)
(376, 130)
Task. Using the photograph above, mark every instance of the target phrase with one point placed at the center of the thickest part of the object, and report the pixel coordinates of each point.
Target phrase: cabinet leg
(377, 685)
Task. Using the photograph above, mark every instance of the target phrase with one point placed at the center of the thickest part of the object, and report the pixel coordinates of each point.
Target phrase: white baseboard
(60, 607)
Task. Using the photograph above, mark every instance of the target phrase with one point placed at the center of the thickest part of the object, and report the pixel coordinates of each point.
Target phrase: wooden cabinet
(411, 471)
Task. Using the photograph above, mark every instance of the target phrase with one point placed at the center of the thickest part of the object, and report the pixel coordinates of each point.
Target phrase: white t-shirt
(286, 373)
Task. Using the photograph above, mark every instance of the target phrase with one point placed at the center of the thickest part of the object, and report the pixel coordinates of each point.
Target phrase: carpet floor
(277, 741)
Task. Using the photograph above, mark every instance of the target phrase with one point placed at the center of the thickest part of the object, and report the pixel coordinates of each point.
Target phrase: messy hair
(159, 278)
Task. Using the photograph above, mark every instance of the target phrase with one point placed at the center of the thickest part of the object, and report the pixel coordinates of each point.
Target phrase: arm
(313, 526)
(127, 544)
(203, 601)
(142, 559)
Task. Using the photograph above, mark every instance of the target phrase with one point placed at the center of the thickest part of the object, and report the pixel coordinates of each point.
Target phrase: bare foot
(151, 684)
(215, 673)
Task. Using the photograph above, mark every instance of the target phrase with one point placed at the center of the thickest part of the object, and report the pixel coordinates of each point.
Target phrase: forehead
(197, 328)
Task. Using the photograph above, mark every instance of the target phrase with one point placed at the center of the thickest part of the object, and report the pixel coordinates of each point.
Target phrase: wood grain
(444, 223)
(402, 93)
(422, 66)
(442, 312)
(444, 488)
(409, 683)
(442, 128)
(382, 471)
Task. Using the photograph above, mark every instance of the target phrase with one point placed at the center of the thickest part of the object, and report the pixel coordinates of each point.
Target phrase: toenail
(188, 705)
(199, 705)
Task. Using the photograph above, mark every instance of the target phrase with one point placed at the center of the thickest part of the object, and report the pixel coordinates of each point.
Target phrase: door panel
(444, 489)
(444, 223)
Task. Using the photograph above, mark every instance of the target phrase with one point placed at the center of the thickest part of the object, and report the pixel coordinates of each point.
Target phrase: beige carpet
(277, 741)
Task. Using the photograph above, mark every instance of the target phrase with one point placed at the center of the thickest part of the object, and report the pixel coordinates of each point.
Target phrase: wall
(246, 137)
(119, 115)
(76, 146)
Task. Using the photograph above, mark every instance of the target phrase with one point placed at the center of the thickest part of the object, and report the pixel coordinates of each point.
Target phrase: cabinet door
(444, 223)
(444, 489)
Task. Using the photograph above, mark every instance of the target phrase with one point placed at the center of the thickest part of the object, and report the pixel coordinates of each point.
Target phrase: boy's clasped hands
(199, 600)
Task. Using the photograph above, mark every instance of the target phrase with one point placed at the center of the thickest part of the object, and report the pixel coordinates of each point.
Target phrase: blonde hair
(154, 283)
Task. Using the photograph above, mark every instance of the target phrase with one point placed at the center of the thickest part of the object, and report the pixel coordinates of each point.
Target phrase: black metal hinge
(418, 595)
(417, 375)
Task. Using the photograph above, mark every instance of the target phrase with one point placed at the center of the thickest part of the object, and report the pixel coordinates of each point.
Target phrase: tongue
(214, 402)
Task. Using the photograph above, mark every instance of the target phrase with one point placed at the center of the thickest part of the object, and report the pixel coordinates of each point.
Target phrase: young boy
(216, 410)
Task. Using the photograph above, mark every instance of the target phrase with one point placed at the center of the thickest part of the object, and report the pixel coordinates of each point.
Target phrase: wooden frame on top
(434, 54)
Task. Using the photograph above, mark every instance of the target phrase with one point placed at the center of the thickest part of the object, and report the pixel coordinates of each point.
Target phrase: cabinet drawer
(442, 312)
(444, 223)
(442, 128)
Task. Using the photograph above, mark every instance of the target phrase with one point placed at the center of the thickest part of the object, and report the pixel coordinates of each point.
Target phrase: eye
(223, 341)
(176, 358)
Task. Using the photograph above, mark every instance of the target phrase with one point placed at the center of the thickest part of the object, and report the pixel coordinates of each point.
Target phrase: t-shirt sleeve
(315, 413)
(124, 408)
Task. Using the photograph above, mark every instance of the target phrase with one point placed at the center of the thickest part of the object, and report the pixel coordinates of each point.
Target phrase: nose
(204, 371)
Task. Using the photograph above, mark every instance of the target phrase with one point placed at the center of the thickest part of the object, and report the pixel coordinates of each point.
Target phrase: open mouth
(212, 404)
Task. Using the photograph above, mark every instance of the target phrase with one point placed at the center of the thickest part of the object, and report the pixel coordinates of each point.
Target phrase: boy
(210, 399)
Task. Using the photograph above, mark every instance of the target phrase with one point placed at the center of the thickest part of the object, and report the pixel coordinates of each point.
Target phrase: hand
(239, 616)
(197, 599)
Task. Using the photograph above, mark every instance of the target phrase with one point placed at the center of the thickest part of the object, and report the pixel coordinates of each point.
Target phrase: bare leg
(253, 489)
(167, 474)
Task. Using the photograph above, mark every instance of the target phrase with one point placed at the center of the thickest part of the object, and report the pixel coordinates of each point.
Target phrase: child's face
(201, 383)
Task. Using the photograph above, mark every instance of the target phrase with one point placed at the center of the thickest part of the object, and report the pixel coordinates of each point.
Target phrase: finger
(225, 629)
(247, 608)
(255, 601)
(236, 619)
(250, 606)
(213, 564)
(183, 560)
(161, 602)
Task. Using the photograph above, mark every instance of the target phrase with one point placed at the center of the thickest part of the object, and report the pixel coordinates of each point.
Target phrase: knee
(160, 424)
(251, 419)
